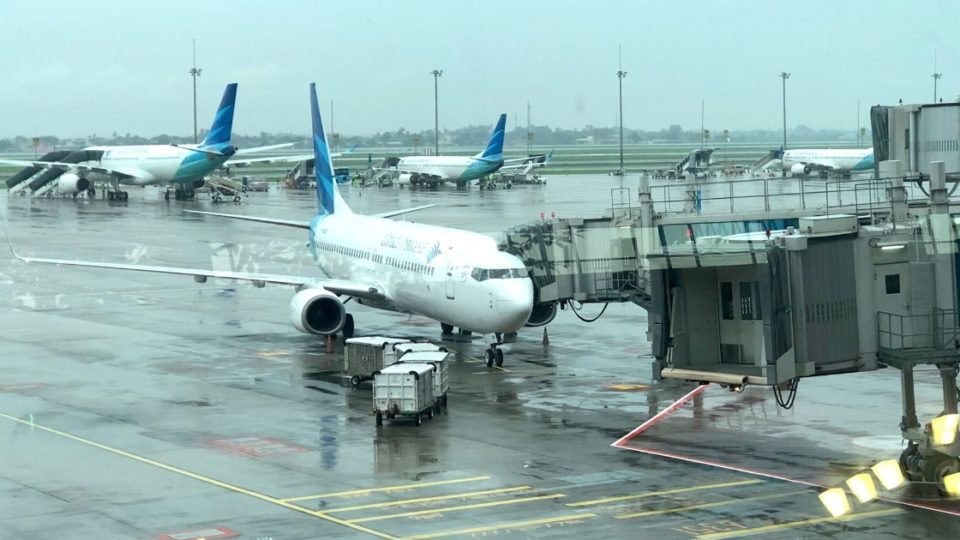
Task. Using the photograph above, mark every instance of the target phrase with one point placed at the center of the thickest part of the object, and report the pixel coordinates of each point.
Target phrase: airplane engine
(800, 168)
(70, 183)
(542, 314)
(404, 179)
(317, 311)
(197, 184)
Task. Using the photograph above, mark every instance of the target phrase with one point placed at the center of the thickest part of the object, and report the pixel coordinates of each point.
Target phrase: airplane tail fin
(494, 150)
(328, 197)
(222, 125)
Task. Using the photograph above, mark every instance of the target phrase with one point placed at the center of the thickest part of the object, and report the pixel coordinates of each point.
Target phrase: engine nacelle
(542, 314)
(70, 183)
(197, 184)
(404, 179)
(317, 311)
(800, 168)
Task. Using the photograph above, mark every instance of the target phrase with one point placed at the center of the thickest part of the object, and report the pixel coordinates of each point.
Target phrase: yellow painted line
(459, 508)
(388, 489)
(801, 523)
(500, 526)
(665, 492)
(402, 502)
(707, 505)
(198, 477)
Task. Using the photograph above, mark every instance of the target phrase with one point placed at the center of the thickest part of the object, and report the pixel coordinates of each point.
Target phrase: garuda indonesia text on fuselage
(458, 278)
(182, 166)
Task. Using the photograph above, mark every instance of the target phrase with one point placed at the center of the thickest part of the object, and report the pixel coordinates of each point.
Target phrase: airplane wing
(282, 159)
(256, 149)
(303, 224)
(403, 211)
(125, 172)
(336, 286)
(285, 222)
(270, 159)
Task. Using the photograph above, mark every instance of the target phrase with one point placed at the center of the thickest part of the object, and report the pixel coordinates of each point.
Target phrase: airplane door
(741, 319)
(448, 283)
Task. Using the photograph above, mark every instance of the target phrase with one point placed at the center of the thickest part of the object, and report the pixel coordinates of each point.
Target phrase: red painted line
(208, 533)
(621, 443)
(660, 415)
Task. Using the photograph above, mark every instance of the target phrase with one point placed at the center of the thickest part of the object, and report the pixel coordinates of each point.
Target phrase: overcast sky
(73, 68)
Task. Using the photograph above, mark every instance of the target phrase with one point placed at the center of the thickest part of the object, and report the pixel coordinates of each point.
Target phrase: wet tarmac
(147, 406)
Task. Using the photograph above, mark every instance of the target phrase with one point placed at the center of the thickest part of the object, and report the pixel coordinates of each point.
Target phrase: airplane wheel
(125, 195)
(499, 357)
(446, 329)
(489, 357)
(348, 327)
(379, 419)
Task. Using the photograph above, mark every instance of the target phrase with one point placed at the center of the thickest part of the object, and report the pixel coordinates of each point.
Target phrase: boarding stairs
(770, 158)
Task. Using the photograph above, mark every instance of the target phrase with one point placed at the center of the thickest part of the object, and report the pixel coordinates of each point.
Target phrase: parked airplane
(435, 170)
(184, 166)
(457, 277)
(824, 160)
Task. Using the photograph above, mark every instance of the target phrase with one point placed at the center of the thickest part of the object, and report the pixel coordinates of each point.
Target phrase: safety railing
(938, 330)
(718, 195)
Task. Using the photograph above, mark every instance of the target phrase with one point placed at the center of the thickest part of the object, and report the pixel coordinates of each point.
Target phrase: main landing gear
(348, 327)
(118, 196)
(179, 194)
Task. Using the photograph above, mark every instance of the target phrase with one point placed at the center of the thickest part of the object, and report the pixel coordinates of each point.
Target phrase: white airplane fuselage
(154, 164)
(440, 273)
(448, 168)
(839, 159)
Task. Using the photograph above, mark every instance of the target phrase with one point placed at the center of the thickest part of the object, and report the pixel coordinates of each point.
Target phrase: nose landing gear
(494, 354)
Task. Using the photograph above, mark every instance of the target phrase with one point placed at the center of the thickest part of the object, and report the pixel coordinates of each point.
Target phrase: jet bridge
(767, 286)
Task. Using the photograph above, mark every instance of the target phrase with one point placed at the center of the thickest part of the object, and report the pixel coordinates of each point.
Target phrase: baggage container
(363, 356)
(404, 390)
(441, 378)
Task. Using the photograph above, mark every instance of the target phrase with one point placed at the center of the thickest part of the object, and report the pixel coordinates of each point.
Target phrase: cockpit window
(483, 274)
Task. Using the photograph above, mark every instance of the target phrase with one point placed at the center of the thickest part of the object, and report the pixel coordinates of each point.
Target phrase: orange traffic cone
(330, 343)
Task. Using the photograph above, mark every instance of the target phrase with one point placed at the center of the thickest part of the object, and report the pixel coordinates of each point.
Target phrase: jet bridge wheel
(937, 466)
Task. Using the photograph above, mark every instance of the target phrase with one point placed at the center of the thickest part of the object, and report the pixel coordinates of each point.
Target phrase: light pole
(195, 72)
(784, 75)
(936, 76)
(436, 113)
(620, 75)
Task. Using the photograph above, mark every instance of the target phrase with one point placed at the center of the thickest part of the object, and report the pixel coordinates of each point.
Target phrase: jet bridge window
(892, 282)
(750, 301)
(726, 300)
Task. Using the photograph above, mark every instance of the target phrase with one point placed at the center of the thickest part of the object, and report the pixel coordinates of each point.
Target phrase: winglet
(6, 236)
(222, 127)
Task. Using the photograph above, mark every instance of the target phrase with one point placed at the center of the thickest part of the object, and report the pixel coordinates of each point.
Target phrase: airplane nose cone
(515, 305)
